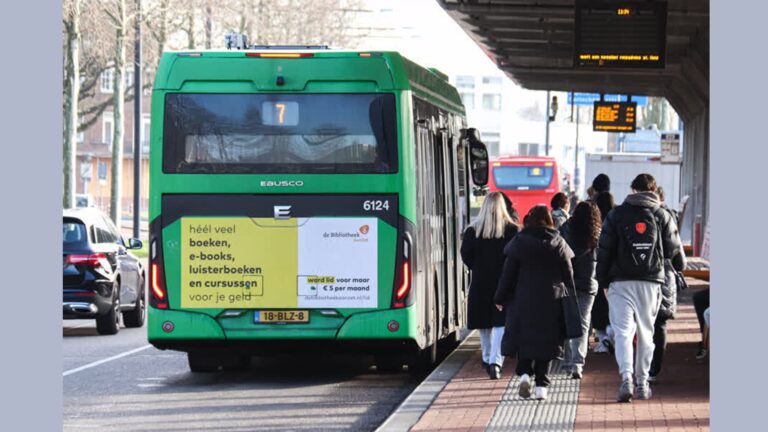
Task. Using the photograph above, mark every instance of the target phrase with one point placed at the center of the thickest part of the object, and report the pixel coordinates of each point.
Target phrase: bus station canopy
(533, 41)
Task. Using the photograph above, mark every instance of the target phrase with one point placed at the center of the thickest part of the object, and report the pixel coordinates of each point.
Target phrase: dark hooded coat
(537, 274)
(485, 259)
(613, 243)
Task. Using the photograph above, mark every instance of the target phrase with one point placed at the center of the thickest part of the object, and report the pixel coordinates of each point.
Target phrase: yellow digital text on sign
(238, 263)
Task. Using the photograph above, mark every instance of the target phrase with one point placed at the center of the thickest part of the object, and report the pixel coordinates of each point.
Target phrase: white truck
(622, 168)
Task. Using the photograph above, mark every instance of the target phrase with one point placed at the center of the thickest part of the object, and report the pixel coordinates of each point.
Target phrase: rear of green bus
(280, 216)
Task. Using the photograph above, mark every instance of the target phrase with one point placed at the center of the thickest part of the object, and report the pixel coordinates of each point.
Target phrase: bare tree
(104, 25)
(118, 15)
(71, 94)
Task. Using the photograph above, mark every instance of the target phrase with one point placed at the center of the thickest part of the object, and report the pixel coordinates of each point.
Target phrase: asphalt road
(119, 383)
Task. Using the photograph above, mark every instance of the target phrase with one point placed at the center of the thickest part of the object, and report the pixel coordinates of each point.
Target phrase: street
(118, 383)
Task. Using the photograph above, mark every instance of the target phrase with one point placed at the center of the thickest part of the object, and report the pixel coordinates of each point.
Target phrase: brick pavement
(680, 400)
(467, 403)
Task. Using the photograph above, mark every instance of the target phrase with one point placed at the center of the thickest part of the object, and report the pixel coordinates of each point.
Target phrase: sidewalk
(470, 401)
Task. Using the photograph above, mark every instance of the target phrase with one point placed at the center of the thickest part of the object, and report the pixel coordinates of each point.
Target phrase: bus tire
(388, 363)
(424, 359)
(201, 363)
(238, 362)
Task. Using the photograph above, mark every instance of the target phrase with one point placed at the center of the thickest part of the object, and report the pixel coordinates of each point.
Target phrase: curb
(413, 407)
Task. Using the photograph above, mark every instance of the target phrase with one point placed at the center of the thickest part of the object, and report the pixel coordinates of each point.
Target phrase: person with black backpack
(636, 238)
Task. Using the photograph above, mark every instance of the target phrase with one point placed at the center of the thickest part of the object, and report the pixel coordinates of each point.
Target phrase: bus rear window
(522, 177)
(279, 133)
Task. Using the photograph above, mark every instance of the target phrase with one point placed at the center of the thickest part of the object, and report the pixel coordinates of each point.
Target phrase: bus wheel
(238, 362)
(388, 363)
(200, 362)
(423, 360)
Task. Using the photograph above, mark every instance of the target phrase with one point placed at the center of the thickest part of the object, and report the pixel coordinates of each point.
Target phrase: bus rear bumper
(380, 331)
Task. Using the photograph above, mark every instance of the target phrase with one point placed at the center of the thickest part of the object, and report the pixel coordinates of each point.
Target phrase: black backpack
(642, 253)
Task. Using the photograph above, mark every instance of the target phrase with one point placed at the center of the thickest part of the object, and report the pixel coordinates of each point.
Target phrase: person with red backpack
(636, 238)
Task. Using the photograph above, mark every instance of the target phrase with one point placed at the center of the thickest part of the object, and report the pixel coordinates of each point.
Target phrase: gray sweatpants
(632, 307)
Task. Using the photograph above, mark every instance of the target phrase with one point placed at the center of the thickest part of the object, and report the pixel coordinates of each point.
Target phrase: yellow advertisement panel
(255, 263)
(238, 262)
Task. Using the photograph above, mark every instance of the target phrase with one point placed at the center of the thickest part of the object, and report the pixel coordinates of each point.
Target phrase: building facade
(94, 151)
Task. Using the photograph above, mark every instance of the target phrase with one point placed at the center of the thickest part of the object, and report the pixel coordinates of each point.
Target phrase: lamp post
(551, 114)
(137, 94)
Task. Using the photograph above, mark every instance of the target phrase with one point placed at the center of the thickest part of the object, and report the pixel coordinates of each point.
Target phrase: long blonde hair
(493, 217)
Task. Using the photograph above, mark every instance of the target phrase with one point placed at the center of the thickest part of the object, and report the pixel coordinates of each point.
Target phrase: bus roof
(303, 70)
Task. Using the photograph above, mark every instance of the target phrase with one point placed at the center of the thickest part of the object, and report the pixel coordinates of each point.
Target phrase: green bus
(307, 199)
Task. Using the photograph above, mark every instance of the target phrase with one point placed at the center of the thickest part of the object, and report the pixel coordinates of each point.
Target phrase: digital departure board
(614, 116)
(620, 34)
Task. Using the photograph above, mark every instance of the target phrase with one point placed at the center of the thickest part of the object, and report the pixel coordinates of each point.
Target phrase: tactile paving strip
(555, 414)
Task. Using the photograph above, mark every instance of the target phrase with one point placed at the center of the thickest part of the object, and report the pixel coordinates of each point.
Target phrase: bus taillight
(159, 297)
(280, 55)
(406, 285)
(403, 287)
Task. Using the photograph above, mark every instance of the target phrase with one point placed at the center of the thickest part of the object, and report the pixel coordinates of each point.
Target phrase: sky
(423, 32)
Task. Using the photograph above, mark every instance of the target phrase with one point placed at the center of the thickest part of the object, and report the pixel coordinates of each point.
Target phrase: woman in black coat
(600, 322)
(582, 232)
(482, 250)
(537, 275)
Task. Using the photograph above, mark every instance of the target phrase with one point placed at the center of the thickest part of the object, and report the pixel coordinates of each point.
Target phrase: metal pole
(576, 181)
(546, 136)
(137, 94)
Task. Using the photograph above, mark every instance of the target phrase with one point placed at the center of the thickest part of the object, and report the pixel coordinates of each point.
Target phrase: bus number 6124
(375, 205)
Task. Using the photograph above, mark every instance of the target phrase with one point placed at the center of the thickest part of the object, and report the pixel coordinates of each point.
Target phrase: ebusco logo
(282, 183)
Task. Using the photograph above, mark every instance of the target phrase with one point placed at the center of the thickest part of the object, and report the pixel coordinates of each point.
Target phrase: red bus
(526, 180)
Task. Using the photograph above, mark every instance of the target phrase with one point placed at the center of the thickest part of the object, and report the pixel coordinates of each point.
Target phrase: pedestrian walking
(582, 232)
(511, 209)
(636, 238)
(700, 305)
(601, 183)
(602, 197)
(668, 306)
(559, 204)
(537, 275)
(482, 250)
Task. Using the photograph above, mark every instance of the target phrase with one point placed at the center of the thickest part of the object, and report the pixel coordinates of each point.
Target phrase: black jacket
(669, 288)
(537, 273)
(584, 263)
(613, 243)
(485, 259)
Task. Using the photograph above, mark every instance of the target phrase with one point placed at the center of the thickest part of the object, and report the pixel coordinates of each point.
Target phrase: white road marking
(99, 362)
(79, 325)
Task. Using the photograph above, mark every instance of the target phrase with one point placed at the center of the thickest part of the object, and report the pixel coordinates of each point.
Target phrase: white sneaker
(540, 393)
(600, 348)
(525, 386)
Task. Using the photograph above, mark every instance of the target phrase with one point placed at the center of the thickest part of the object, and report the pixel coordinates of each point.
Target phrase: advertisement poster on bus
(241, 262)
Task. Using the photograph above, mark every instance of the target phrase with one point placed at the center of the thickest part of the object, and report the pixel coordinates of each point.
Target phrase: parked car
(102, 279)
(84, 200)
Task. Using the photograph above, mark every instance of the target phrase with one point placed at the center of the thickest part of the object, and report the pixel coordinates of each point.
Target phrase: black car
(101, 278)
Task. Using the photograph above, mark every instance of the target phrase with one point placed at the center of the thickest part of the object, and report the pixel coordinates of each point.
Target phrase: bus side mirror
(478, 157)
